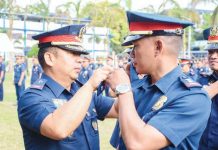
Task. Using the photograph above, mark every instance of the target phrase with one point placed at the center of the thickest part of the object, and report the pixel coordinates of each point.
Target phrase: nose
(132, 54)
(213, 54)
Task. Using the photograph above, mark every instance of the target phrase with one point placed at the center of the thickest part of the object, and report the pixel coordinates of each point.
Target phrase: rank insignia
(95, 125)
(159, 103)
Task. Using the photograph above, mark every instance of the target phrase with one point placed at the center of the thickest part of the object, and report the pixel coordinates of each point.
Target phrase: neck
(60, 79)
(163, 68)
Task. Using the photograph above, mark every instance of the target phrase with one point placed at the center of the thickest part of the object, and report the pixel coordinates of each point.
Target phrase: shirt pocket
(92, 123)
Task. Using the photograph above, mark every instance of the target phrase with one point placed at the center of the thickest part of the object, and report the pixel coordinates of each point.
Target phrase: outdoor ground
(10, 131)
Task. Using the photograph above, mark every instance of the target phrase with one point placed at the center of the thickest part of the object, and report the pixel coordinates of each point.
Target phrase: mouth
(213, 62)
(77, 70)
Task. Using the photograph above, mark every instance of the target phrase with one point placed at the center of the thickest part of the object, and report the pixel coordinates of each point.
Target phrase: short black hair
(41, 54)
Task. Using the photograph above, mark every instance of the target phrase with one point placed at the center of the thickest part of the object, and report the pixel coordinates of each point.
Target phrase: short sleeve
(3, 67)
(23, 68)
(40, 69)
(103, 105)
(183, 117)
(32, 110)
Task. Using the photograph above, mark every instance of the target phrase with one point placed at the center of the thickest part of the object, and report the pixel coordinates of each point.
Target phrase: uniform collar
(55, 87)
(166, 81)
(215, 75)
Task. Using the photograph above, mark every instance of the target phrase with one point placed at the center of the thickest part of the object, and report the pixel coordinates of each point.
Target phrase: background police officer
(210, 135)
(36, 70)
(2, 77)
(19, 75)
(86, 71)
(57, 112)
(173, 110)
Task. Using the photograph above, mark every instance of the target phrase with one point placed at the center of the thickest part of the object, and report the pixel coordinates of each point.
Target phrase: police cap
(144, 24)
(67, 38)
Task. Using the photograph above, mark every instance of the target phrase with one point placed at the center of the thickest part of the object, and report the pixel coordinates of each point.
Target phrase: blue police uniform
(41, 99)
(210, 136)
(46, 95)
(36, 72)
(181, 118)
(92, 66)
(175, 105)
(18, 69)
(2, 69)
(85, 74)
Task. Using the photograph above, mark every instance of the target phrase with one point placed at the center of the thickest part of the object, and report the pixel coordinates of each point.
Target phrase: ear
(50, 58)
(158, 47)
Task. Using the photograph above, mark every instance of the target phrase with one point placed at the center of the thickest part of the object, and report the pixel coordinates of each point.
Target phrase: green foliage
(111, 15)
(215, 16)
(206, 21)
(34, 51)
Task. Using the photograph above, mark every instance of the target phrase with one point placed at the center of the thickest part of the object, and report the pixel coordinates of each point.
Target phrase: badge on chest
(159, 103)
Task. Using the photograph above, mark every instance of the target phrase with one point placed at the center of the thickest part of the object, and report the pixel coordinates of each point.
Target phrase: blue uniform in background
(85, 74)
(92, 66)
(175, 105)
(18, 69)
(2, 69)
(36, 71)
(209, 139)
(41, 99)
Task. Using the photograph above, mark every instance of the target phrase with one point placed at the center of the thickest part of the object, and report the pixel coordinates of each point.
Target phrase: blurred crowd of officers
(195, 68)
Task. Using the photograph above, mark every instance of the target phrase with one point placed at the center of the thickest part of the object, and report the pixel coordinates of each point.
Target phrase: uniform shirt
(41, 99)
(209, 139)
(18, 69)
(133, 73)
(85, 74)
(2, 68)
(193, 73)
(176, 106)
(92, 66)
(36, 71)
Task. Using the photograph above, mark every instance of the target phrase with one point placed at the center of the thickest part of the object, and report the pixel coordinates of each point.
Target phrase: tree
(110, 15)
(161, 8)
(10, 8)
(34, 51)
(65, 10)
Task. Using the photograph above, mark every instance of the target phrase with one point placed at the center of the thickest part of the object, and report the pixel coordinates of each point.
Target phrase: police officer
(187, 69)
(173, 109)
(36, 70)
(2, 77)
(210, 135)
(86, 71)
(19, 75)
(57, 112)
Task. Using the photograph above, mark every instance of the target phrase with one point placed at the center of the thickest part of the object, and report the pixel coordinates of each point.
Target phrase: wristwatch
(122, 88)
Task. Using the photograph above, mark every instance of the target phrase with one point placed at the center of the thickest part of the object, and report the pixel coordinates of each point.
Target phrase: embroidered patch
(159, 103)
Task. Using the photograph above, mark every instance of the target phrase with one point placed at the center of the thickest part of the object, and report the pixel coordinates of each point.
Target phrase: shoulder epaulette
(188, 82)
(39, 84)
